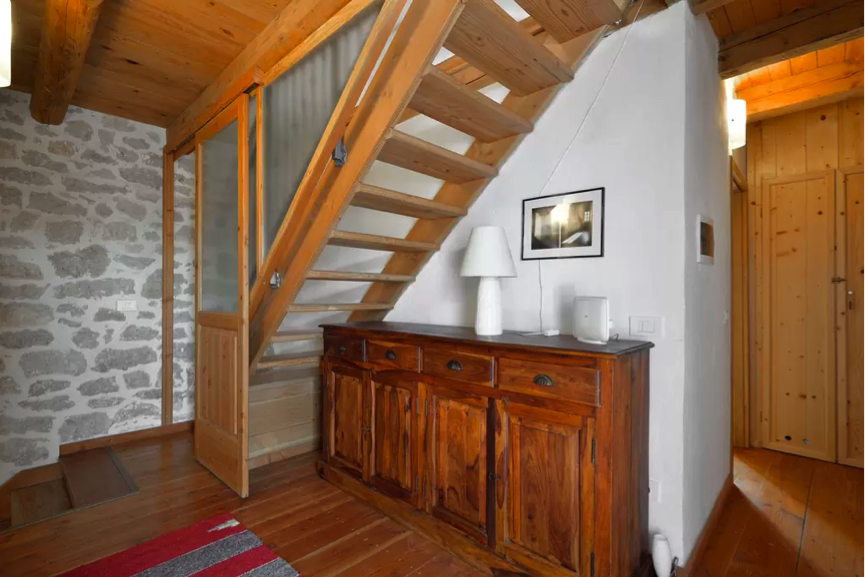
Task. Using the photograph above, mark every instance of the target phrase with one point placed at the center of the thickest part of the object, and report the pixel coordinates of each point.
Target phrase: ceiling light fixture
(5, 43)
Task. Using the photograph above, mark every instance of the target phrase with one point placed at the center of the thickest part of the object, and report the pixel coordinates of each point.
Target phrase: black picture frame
(523, 236)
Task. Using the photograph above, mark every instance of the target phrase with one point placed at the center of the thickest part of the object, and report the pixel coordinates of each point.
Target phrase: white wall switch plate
(655, 491)
(646, 326)
(127, 305)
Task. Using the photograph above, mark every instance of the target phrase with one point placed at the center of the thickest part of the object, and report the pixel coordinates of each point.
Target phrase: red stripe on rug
(160, 550)
(241, 564)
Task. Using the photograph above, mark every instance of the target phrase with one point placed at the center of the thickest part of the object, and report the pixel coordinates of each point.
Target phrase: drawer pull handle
(454, 365)
(543, 379)
(341, 349)
(390, 354)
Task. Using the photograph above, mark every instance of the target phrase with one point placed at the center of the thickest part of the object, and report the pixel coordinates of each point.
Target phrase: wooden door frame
(740, 281)
(763, 306)
(239, 321)
(840, 307)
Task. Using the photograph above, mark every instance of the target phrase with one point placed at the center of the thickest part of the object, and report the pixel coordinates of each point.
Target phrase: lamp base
(489, 317)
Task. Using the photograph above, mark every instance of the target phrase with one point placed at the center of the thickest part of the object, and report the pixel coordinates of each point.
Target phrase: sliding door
(222, 300)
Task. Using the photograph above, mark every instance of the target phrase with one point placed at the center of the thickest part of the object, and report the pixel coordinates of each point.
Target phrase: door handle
(341, 349)
(454, 365)
(543, 379)
(390, 354)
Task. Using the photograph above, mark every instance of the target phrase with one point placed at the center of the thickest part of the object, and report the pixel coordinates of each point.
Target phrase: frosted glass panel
(297, 107)
(253, 183)
(219, 217)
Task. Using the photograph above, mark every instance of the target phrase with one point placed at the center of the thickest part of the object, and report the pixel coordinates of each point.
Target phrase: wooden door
(394, 436)
(544, 488)
(222, 296)
(346, 423)
(798, 385)
(457, 459)
(850, 324)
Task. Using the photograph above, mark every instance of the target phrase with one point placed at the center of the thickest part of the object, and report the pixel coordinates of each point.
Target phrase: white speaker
(592, 319)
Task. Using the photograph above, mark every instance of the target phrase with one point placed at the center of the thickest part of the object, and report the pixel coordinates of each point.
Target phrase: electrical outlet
(655, 491)
(127, 305)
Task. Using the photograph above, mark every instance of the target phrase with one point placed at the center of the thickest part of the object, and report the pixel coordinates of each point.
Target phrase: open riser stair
(529, 60)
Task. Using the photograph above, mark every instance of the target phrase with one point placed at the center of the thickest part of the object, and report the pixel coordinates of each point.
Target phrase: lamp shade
(488, 254)
(5, 43)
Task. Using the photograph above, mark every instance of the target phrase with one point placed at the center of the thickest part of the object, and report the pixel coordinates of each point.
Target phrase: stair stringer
(530, 107)
(419, 37)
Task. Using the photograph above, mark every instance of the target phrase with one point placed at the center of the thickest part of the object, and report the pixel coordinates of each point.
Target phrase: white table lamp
(488, 257)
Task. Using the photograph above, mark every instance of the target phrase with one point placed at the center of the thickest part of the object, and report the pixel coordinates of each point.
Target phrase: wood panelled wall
(817, 139)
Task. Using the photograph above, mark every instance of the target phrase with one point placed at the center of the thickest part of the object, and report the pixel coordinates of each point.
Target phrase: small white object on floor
(662, 556)
(551, 332)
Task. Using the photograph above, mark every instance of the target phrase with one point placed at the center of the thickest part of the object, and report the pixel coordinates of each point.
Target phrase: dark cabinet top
(564, 343)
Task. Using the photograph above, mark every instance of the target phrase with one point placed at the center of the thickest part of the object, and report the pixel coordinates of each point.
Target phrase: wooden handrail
(336, 127)
(418, 38)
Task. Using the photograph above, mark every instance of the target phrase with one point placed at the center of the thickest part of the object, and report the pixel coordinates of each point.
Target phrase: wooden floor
(317, 528)
(788, 516)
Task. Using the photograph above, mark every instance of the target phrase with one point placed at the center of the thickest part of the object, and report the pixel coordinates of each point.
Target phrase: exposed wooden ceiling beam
(299, 20)
(703, 6)
(825, 24)
(807, 90)
(66, 31)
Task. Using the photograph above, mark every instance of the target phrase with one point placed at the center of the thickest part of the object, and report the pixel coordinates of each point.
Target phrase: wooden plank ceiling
(741, 15)
(148, 59)
(820, 77)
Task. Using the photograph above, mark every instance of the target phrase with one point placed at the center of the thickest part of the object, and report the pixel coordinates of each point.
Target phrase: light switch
(127, 305)
(646, 326)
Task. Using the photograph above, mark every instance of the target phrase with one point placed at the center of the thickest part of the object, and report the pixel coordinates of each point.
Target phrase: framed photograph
(564, 226)
(705, 240)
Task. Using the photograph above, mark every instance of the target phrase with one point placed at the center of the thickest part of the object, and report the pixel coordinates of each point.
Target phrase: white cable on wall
(568, 149)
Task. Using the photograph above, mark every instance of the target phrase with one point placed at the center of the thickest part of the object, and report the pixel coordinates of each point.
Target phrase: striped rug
(219, 546)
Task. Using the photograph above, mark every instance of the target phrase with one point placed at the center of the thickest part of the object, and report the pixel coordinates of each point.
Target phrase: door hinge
(837, 280)
(426, 407)
(415, 484)
(592, 564)
(593, 452)
(416, 408)
(424, 490)
(340, 153)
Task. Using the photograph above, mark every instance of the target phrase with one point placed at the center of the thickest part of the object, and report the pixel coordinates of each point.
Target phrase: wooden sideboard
(517, 453)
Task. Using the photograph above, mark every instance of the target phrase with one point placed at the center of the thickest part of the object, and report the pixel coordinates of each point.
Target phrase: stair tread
(388, 201)
(357, 276)
(275, 377)
(423, 157)
(567, 19)
(256, 451)
(489, 39)
(443, 98)
(288, 360)
(93, 476)
(379, 242)
(288, 336)
(316, 307)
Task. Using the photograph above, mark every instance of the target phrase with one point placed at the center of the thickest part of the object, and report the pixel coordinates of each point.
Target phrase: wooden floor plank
(338, 556)
(401, 558)
(299, 515)
(833, 537)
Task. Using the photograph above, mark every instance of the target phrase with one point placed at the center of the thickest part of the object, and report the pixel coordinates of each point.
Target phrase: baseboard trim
(133, 436)
(708, 529)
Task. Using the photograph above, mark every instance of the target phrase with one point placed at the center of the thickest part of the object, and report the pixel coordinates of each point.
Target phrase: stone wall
(80, 228)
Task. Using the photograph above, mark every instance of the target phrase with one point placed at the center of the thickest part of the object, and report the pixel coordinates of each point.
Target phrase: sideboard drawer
(386, 355)
(348, 348)
(544, 379)
(459, 366)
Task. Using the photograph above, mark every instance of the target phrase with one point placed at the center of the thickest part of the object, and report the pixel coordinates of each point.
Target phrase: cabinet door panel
(546, 492)
(394, 437)
(345, 391)
(458, 454)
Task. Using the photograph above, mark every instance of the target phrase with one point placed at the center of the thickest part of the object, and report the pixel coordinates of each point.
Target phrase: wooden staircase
(532, 58)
